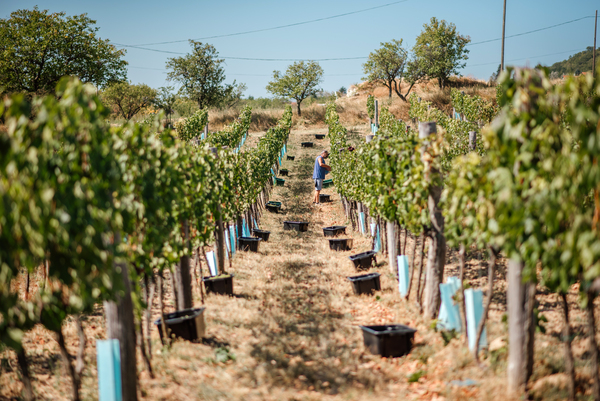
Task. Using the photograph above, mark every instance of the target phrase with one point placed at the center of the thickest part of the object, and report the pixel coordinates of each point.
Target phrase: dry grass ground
(291, 330)
(353, 110)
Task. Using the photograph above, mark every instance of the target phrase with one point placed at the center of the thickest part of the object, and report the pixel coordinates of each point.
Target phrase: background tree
(440, 50)
(201, 75)
(37, 49)
(185, 107)
(127, 100)
(165, 100)
(495, 75)
(387, 65)
(233, 95)
(581, 61)
(300, 81)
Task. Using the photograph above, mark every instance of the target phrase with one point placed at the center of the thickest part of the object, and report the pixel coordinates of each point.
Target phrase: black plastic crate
(306, 144)
(295, 225)
(319, 136)
(290, 158)
(187, 324)
(248, 244)
(392, 340)
(222, 285)
(273, 206)
(262, 234)
(340, 244)
(324, 198)
(364, 260)
(365, 283)
(334, 231)
(284, 172)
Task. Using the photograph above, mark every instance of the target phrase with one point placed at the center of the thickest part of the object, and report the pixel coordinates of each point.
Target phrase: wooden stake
(437, 248)
(166, 336)
(152, 285)
(412, 269)
(461, 277)
(566, 334)
(419, 292)
(488, 302)
(26, 376)
(392, 246)
(591, 328)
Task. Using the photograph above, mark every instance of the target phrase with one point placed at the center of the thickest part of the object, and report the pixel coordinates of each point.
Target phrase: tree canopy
(201, 75)
(388, 65)
(581, 62)
(127, 100)
(165, 100)
(300, 81)
(440, 50)
(37, 48)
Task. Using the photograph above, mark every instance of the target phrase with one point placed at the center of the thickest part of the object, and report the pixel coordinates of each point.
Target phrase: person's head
(325, 153)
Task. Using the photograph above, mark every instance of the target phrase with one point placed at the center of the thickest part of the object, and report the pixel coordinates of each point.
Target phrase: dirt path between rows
(291, 332)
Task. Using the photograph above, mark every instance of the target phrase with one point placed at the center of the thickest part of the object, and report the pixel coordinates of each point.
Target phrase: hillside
(576, 63)
(352, 109)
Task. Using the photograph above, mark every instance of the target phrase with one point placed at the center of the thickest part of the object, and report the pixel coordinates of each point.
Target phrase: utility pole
(503, 27)
(594, 50)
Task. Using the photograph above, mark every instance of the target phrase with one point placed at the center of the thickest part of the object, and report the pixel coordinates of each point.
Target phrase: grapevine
(70, 186)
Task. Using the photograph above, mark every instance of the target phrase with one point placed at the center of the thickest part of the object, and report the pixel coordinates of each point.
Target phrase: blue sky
(350, 36)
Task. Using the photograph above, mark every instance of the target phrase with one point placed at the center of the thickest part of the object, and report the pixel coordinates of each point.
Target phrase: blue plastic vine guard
(403, 274)
(377, 244)
(245, 230)
(361, 222)
(227, 242)
(212, 263)
(474, 307)
(232, 238)
(108, 356)
(449, 316)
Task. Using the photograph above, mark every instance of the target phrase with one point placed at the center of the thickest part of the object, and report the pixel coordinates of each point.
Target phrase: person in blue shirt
(319, 172)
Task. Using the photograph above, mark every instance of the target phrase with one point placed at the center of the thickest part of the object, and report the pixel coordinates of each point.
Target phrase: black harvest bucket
(392, 340)
(363, 260)
(295, 225)
(334, 230)
(248, 244)
(340, 244)
(262, 234)
(187, 324)
(324, 198)
(365, 283)
(222, 284)
(273, 206)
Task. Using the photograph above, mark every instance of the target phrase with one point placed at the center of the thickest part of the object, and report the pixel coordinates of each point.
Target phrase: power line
(146, 68)
(243, 75)
(250, 58)
(525, 58)
(341, 58)
(278, 27)
(294, 59)
(145, 48)
(528, 32)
